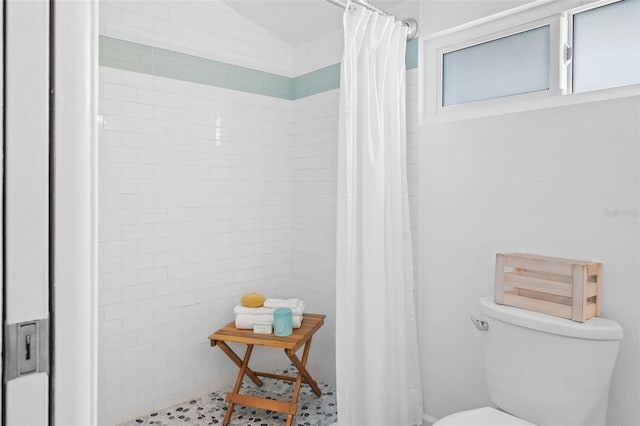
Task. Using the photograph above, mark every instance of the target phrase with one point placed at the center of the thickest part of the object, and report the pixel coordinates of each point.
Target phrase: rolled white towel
(298, 309)
(281, 303)
(246, 321)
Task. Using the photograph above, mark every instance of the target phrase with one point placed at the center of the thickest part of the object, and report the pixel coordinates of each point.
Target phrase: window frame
(551, 22)
(556, 13)
(568, 16)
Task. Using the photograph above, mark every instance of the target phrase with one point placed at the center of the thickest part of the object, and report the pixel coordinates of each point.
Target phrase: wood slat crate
(562, 287)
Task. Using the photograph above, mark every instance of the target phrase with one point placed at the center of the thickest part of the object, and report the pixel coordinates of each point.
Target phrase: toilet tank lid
(594, 329)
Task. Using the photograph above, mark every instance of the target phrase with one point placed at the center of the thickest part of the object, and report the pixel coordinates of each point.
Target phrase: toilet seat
(485, 416)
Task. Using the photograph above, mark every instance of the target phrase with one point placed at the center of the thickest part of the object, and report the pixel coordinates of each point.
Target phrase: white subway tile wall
(195, 209)
(206, 193)
(314, 216)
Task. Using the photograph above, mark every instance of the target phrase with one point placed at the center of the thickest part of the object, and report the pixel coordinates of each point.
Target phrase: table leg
(236, 388)
(296, 392)
(301, 366)
(302, 373)
(237, 361)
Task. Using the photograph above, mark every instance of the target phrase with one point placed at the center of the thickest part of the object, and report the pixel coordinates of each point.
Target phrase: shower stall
(217, 176)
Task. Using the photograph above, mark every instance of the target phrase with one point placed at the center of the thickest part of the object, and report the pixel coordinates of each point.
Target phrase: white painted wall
(209, 29)
(558, 181)
(319, 53)
(561, 182)
(439, 15)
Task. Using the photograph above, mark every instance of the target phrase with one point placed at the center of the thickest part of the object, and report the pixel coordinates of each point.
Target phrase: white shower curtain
(377, 364)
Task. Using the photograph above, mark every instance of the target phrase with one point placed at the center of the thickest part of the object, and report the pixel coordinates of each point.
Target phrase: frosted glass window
(510, 65)
(606, 46)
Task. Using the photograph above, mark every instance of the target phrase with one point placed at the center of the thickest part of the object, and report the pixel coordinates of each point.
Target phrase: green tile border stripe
(318, 81)
(137, 57)
(130, 56)
(411, 54)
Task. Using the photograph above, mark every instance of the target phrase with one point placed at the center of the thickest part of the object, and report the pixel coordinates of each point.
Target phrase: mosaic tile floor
(210, 409)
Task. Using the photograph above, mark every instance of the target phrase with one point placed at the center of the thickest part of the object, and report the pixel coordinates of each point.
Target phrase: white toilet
(543, 370)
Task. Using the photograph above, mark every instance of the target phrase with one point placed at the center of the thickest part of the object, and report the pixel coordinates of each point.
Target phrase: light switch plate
(26, 348)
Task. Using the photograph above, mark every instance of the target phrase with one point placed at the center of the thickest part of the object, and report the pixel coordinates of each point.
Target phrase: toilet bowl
(485, 416)
(543, 370)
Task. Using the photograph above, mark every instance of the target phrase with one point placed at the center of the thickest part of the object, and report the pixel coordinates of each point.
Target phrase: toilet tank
(547, 370)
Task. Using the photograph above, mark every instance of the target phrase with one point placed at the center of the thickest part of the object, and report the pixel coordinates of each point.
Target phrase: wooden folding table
(301, 336)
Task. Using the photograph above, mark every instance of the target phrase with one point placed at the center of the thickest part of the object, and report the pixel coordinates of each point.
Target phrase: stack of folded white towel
(247, 317)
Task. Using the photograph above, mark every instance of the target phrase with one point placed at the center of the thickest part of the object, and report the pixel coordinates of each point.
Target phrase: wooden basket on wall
(562, 287)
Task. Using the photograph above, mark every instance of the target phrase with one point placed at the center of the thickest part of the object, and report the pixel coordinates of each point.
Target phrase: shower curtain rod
(411, 23)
